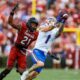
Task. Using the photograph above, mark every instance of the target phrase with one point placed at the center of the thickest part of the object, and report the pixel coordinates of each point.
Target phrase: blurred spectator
(68, 40)
(57, 50)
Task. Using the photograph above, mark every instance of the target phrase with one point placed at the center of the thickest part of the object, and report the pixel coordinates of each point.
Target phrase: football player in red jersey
(26, 35)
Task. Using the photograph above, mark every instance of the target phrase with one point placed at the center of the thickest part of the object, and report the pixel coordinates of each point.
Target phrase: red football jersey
(25, 38)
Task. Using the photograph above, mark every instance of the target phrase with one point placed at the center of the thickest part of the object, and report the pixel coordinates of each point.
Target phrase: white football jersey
(45, 39)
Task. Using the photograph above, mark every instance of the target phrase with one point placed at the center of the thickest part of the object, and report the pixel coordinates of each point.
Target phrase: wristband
(12, 13)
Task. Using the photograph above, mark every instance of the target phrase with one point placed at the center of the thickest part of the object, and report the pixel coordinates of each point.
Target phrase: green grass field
(50, 74)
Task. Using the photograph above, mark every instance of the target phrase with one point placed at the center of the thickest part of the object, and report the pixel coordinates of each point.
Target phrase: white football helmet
(51, 21)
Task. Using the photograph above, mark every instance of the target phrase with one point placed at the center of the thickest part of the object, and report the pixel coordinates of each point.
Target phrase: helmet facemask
(32, 24)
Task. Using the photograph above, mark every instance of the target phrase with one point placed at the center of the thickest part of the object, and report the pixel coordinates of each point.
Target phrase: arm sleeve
(55, 31)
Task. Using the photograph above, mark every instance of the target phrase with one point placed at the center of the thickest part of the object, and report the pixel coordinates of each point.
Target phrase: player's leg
(35, 66)
(32, 72)
(32, 75)
(10, 63)
(38, 59)
(4, 73)
(22, 64)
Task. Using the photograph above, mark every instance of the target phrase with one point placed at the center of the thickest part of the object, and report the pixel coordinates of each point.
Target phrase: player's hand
(14, 9)
(62, 16)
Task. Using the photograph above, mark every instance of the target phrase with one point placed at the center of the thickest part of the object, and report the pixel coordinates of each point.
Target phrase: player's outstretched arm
(48, 28)
(10, 20)
(61, 19)
(61, 25)
(48, 25)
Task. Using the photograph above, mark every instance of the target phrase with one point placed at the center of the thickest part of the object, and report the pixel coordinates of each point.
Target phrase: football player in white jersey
(48, 32)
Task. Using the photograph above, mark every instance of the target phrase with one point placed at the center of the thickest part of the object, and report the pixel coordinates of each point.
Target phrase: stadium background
(67, 46)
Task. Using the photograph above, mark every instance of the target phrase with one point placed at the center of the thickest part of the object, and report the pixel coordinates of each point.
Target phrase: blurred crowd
(64, 44)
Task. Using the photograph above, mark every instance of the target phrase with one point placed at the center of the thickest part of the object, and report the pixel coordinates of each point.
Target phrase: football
(65, 16)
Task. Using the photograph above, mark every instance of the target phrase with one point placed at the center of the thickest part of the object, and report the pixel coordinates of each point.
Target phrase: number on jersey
(26, 41)
(49, 36)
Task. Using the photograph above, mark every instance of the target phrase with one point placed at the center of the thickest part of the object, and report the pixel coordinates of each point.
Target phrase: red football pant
(16, 55)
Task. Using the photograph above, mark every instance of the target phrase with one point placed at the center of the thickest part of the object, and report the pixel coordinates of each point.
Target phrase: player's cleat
(24, 75)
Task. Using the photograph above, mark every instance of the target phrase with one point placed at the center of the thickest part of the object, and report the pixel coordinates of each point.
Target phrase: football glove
(15, 7)
(62, 16)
